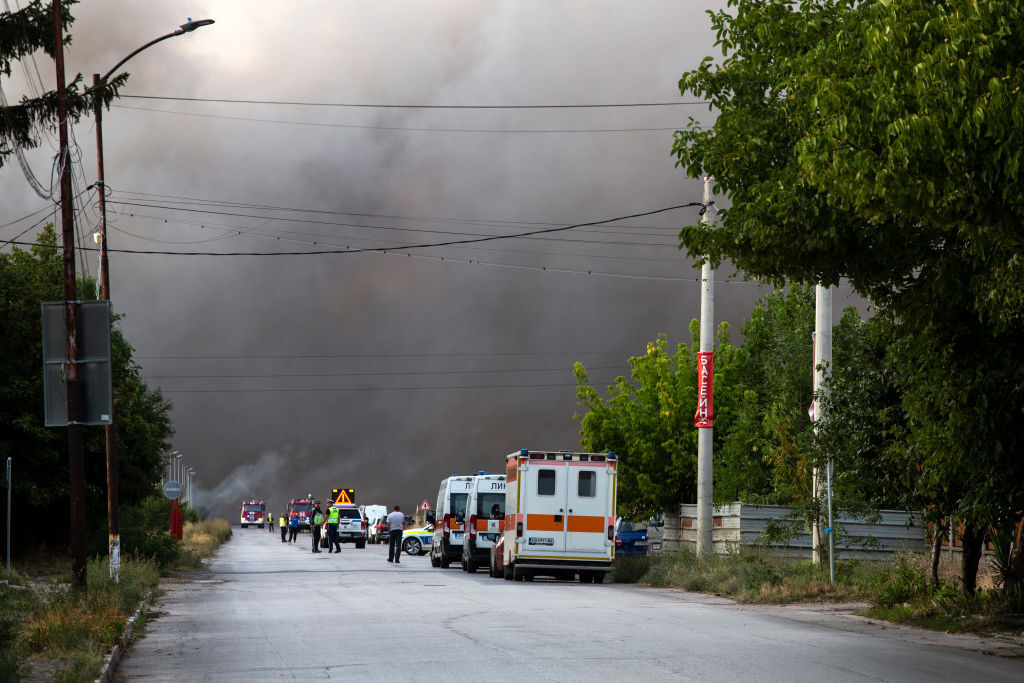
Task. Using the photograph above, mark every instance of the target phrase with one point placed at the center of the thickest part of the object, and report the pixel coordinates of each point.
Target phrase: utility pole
(76, 445)
(113, 531)
(822, 369)
(703, 418)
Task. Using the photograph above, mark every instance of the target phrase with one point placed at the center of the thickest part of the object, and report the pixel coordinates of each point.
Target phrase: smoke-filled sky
(384, 372)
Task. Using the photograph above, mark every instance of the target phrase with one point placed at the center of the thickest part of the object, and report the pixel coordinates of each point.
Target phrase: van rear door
(544, 524)
(588, 502)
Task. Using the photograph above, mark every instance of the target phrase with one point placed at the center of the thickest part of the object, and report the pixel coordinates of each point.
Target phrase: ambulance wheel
(434, 561)
(444, 557)
(586, 577)
(469, 565)
(598, 577)
(361, 544)
(506, 572)
(518, 574)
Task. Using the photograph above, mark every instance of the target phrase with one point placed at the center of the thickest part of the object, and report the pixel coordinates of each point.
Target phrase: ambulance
(449, 519)
(559, 515)
(485, 509)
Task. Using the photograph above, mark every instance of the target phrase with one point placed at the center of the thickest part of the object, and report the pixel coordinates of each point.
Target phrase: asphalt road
(263, 610)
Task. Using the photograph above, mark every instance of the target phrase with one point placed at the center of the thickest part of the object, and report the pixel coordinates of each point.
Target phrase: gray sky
(385, 372)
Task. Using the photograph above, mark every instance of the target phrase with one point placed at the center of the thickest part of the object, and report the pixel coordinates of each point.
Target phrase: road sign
(424, 505)
(344, 496)
(172, 489)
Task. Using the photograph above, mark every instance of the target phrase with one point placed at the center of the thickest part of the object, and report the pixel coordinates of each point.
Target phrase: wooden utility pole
(76, 445)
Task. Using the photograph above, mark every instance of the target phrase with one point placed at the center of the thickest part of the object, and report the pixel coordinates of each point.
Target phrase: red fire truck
(303, 509)
(253, 512)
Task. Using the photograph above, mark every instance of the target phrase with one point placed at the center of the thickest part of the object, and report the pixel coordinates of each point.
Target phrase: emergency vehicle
(303, 509)
(252, 513)
(449, 519)
(485, 508)
(559, 515)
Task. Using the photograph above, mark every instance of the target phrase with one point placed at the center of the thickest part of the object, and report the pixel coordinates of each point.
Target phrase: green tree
(39, 453)
(647, 420)
(881, 142)
(22, 33)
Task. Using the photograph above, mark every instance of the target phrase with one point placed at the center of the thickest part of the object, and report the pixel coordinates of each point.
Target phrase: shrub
(630, 568)
(903, 581)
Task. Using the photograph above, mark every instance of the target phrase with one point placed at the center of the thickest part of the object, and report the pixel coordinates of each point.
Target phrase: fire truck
(253, 512)
(303, 509)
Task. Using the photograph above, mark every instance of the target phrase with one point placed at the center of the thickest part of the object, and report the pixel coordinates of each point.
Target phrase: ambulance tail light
(447, 526)
(472, 527)
(613, 536)
(519, 529)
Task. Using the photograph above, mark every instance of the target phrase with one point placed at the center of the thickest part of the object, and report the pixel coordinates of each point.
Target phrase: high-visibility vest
(332, 515)
(281, 520)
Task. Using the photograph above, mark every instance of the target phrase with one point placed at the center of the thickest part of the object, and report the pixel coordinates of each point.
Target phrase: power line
(282, 375)
(363, 250)
(413, 129)
(455, 354)
(353, 105)
(365, 389)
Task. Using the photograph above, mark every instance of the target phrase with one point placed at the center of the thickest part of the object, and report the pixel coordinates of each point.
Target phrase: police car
(418, 541)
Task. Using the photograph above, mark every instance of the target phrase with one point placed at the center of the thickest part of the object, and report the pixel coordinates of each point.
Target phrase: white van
(449, 518)
(485, 508)
(559, 515)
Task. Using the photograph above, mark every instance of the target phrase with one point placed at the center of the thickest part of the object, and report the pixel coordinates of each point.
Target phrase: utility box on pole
(93, 363)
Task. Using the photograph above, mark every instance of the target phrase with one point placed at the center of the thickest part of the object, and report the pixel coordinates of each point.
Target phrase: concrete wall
(738, 524)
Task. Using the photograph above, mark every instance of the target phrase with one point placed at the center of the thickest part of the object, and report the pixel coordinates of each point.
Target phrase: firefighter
(314, 527)
(282, 521)
(270, 522)
(332, 530)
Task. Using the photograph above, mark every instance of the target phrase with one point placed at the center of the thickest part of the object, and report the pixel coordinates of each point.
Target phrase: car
(378, 531)
(497, 557)
(630, 537)
(418, 541)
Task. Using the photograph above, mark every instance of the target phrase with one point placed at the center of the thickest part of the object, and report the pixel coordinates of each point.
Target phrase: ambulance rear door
(589, 506)
(545, 496)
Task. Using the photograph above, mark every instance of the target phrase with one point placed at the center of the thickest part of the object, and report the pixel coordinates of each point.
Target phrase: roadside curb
(112, 658)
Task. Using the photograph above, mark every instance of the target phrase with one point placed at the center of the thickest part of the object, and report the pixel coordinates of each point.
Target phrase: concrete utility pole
(705, 433)
(822, 355)
(76, 443)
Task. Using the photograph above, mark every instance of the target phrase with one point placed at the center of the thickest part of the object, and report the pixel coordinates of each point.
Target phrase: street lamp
(111, 434)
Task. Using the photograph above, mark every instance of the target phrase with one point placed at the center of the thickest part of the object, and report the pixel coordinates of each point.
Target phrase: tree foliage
(881, 142)
(22, 33)
(40, 474)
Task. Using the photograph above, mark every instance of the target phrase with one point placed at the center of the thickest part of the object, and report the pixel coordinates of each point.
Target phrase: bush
(902, 582)
(145, 532)
(630, 568)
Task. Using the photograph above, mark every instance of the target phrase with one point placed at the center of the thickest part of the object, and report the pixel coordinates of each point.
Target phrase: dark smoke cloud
(392, 445)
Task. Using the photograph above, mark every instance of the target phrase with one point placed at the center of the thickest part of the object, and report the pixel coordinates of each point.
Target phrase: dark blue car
(630, 537)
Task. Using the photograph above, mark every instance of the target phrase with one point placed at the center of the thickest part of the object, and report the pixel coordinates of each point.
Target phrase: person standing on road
(395, 522)
(314, 527)
(282, 521)
(270, 522)
(293, 529)
(333, 516)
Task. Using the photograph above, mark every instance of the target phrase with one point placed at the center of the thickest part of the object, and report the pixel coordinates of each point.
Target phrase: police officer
(333, 517)
(282, 521)
(314, 527)
(270, 522)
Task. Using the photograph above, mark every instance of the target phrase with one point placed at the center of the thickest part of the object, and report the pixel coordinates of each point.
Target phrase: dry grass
(201, 540)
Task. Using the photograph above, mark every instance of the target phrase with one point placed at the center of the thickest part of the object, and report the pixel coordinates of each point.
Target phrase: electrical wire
(363, 250)
(414, 129)
(219, 100)
(381, 374)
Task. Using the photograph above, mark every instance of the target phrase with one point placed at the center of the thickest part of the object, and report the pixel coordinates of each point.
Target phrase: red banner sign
(705, 389)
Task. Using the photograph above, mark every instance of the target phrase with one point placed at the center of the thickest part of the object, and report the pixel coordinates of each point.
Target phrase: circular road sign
(172, 489)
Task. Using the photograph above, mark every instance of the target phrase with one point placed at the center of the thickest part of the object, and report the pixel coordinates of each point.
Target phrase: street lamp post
(111, 434)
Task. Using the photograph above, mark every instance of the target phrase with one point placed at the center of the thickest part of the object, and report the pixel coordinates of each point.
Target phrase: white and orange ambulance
(559, 515)
(485, 510)
(449, 519)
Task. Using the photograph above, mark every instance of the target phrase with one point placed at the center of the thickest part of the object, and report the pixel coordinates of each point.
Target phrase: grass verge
(53, 632)
(897, 590)
(752, 575)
